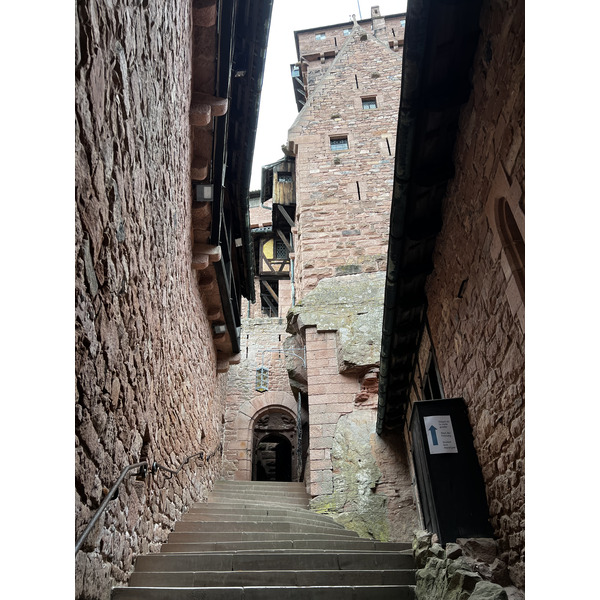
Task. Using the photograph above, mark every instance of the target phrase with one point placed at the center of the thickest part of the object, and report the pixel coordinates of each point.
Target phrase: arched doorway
(274, 445)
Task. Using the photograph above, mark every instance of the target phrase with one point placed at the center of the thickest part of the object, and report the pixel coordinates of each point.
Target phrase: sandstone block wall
(392, 32)
(357, 477)
(259, 336)
(479, 338)
(343, 196)
(145, 364)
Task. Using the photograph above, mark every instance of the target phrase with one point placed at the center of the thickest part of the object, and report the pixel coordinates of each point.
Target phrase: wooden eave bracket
(204, 107)
(205, 254)
(199, 169)
(204, 14)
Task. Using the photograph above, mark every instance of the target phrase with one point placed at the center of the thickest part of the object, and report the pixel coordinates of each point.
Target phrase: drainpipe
(292, 280)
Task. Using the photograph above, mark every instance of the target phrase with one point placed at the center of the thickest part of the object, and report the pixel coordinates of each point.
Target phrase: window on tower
(338, 143)
(369, 103)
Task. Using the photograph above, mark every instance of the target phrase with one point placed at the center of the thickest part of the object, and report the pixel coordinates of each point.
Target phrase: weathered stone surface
(481, 549)
(295, 364)
(514, 593)
(146, 382)
(455, 577)
(353, 501)
(485, 590)
(421, 543)
(478, 338)
(460, 584)
(351, 305)
(430, 580)
(453, 550)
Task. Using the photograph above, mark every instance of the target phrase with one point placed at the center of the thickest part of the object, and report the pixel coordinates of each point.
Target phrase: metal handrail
(156, 466)
(143, 470)
(142, 465)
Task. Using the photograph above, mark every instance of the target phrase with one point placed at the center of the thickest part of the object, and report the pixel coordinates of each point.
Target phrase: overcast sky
(277, 105)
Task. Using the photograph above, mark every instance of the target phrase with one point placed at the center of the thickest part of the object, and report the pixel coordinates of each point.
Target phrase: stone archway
(274, 445)
(239, 451)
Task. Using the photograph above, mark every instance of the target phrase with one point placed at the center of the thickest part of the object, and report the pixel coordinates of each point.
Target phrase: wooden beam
(266, 299)
(268, 263)
(285, 214)
(282, 236)
(271, 291)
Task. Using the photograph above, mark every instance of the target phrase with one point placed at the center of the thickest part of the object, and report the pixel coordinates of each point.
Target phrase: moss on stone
(350, 304)
(354, 502)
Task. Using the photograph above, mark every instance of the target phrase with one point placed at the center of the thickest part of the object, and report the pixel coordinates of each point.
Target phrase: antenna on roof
(359, 13)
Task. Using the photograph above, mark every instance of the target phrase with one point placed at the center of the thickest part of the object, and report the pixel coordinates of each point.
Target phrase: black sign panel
(449, 479)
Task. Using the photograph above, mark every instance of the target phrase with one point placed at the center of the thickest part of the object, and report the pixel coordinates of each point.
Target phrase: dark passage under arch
(273, 458)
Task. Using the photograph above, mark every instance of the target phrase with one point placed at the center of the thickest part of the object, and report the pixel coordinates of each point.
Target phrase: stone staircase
(258, 541)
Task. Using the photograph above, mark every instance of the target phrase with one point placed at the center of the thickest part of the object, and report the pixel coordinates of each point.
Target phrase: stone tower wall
(343, 196)
(145, 364)
(308, 44)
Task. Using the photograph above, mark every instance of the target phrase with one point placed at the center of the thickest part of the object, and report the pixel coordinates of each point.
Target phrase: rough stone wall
(285, 297)
(145, 364)
(479, 338)
(258, 334)
(356, 476)
(359, 478)
(338, 232)
(467, 570)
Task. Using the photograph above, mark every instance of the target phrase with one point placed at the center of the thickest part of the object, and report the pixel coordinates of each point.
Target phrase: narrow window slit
(358, 189)
(356, 79)
(387, 141)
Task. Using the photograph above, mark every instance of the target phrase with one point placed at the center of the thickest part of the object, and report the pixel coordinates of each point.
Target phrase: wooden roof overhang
(228, 58)
(439, 44)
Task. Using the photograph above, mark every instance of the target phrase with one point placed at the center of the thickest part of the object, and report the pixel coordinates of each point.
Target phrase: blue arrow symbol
(433, 435)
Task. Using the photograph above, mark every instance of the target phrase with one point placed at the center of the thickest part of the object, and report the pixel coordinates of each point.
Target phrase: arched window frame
(505, 209)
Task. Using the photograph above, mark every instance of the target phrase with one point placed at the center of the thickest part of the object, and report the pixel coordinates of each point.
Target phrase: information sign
(440, 434)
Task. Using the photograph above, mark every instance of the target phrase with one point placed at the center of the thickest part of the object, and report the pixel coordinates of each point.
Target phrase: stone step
(264, 490)
(270, 578)
(215, 510)
(383, 592)
(229, 503)
(307, 519)
(250, 505)
(182, 537)
(266, 526)
(293, 486)
(310, 560)
(266, 493)
(261, 544)
(296, 500)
